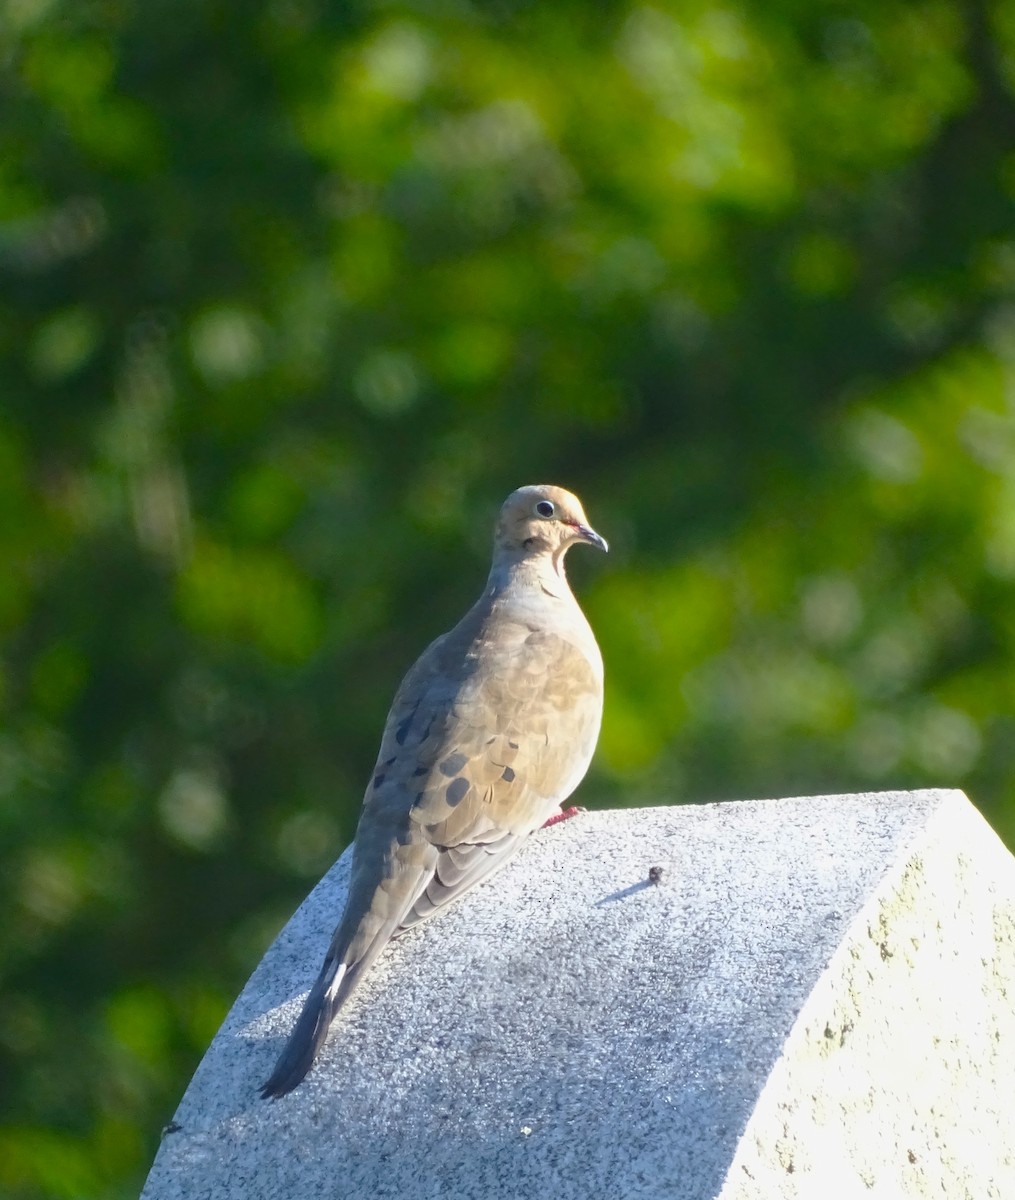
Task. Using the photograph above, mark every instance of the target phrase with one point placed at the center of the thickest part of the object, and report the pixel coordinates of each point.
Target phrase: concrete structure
(817, 999)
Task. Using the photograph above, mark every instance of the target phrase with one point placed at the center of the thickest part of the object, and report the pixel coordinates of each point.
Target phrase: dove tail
(308, 1033)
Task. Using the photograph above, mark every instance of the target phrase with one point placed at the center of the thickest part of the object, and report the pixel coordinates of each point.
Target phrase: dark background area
(293, 294)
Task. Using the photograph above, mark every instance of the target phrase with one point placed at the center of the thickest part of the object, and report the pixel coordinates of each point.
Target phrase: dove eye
(544, 508)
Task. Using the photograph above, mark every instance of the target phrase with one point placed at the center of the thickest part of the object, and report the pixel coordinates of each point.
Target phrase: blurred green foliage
(294, 293)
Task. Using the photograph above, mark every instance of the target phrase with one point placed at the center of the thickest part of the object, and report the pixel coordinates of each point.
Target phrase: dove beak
(589, 535)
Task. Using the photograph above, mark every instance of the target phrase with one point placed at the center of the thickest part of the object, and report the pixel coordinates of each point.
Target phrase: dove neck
(524, 574)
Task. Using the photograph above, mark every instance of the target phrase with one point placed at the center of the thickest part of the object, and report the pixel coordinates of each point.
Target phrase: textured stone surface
(817, 998)
(899, 1075)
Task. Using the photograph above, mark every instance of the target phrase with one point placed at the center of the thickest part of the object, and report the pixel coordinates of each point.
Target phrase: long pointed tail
(309, 1032)
(371, 917)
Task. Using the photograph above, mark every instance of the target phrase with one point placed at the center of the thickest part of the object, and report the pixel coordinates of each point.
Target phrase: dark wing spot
(379, 779)
(453, 764)
(424, 770)
(508, 775)
(457, 791)
(513, 745)
(402, 732)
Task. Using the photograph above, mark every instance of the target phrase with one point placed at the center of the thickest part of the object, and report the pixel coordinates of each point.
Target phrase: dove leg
(566, 815)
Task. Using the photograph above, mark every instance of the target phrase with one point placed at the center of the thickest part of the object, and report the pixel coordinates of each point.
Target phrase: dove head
(542, 521)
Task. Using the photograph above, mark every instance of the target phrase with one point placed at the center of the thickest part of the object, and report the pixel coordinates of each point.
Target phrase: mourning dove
(490, 731)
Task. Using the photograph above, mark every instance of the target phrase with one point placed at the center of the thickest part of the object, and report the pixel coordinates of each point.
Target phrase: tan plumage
(490, 731)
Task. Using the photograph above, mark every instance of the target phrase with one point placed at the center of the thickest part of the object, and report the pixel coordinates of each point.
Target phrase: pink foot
(566, 815)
